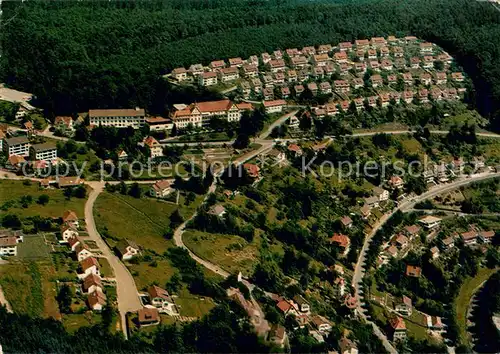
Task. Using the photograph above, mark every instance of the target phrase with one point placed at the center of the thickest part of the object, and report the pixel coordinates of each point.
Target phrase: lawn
(145, 275)
(231, 252)
(73, 322)
(28, 289)
(12, 191)
(192, 305)
(33, 248)
(106, 270)
(469, 287)
(142, 220)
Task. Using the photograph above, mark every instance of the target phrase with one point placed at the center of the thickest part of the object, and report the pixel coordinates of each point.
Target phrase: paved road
(276, 123)
(359, 270)
(396, 132)
(127, 294)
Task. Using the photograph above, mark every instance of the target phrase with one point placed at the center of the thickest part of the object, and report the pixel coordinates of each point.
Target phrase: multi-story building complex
(18, 145)
(120, 118)
(45, 152)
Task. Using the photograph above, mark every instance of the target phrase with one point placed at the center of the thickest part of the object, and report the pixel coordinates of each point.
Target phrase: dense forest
(78, 55)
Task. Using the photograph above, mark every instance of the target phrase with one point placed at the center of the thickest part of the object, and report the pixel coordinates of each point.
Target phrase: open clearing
(12, 191)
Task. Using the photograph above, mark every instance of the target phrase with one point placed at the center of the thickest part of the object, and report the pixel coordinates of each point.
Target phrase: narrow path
(126, 290)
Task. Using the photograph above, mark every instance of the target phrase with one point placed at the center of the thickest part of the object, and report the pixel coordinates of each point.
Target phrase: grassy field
(145, 275)
(73, 322)
(28, 288)
(462, 301)
(33, 248)
(141, 220)
(12, 191)
(106, 270)
(230, 252)
(192, 305)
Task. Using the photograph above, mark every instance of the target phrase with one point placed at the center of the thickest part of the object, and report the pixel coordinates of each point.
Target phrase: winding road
(126, 290)
(359, 270)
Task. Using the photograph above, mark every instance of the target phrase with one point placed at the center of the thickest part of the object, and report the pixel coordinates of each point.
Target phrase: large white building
(120, 118)
(198, 114)
(18, 145)
(45, 152)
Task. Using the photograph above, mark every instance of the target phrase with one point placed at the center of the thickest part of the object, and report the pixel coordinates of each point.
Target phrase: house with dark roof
(127, 249)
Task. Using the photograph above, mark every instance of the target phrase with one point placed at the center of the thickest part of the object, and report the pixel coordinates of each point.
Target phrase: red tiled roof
(342, 240)
(397, 323)
(413, 271)
(284, 306)
(88, 263)
(69, 215)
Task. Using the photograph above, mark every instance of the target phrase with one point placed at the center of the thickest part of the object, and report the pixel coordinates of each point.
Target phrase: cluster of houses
(9, 240)
(160, 302)
(394, 63)
(89, 269)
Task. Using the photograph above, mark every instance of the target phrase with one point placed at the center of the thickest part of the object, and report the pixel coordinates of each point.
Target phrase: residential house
(286, 307)
(256, 85)
(119, 118)
(127, 249)
(384, 52)
(486, 236)
(69, 217)
(266, 58)
(237, 62)
(302, 303)
(161, 299)
(372, 101)
(434, 252)
(342, 86)
(360, 54)
(403, 305)
(426, 78)
(228, 74)
(292, 52)
(196, 69)
(251, 70)
(374, 65)
(325, 87)
(440, 78)
(372, 202)
(362, 43)
(436, 94)
(413, 271)
(278, 335)
(285, 92)
(155, 148)
(276, 65)
(321, 324)
(342, 241)
(67, 232)
(320, 59)
(396, 182)
(398, 52)
(347, 346)
(275, 106)
(378, 41)
(73, 242)
(412, 231)
(279, 78)
(398, 328)
(8, 246)
(372, 54)
(295, 149)
(392, 251)
(64, 124)
(448, 243)
(252, 170)
(324, 48)
(346, 221)
(428, 62)
(18, 146)
(408, 79)
(426, 47)
(89, 266)
(199, 113)
(366, 211)
(429, 222)
(161, 189)
(385, 99)
(458, 77)
(299, 61)
(97, 300)
(358, 83)
(268, 93)
(208, 78)
(277, 156)
(308, 51)
(91, 283)
(180, 74)
(359, 103)
(82, 251)
(217, 64)
(338, 287)
(217, 210)
(68, 182)
(345, 46)
(291, 75)
(341, 57)
(15, 162)
(360, 67)
(392, 79)
(402, 241)
(415, 62)
(469, 237)
(148, 316)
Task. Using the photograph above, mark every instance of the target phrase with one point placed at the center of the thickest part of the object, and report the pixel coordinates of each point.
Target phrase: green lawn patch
(145, 275)
(33, 248)
(73, 322)
(106, 270)
(12, 191)
(231, 252)
(192, 305)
